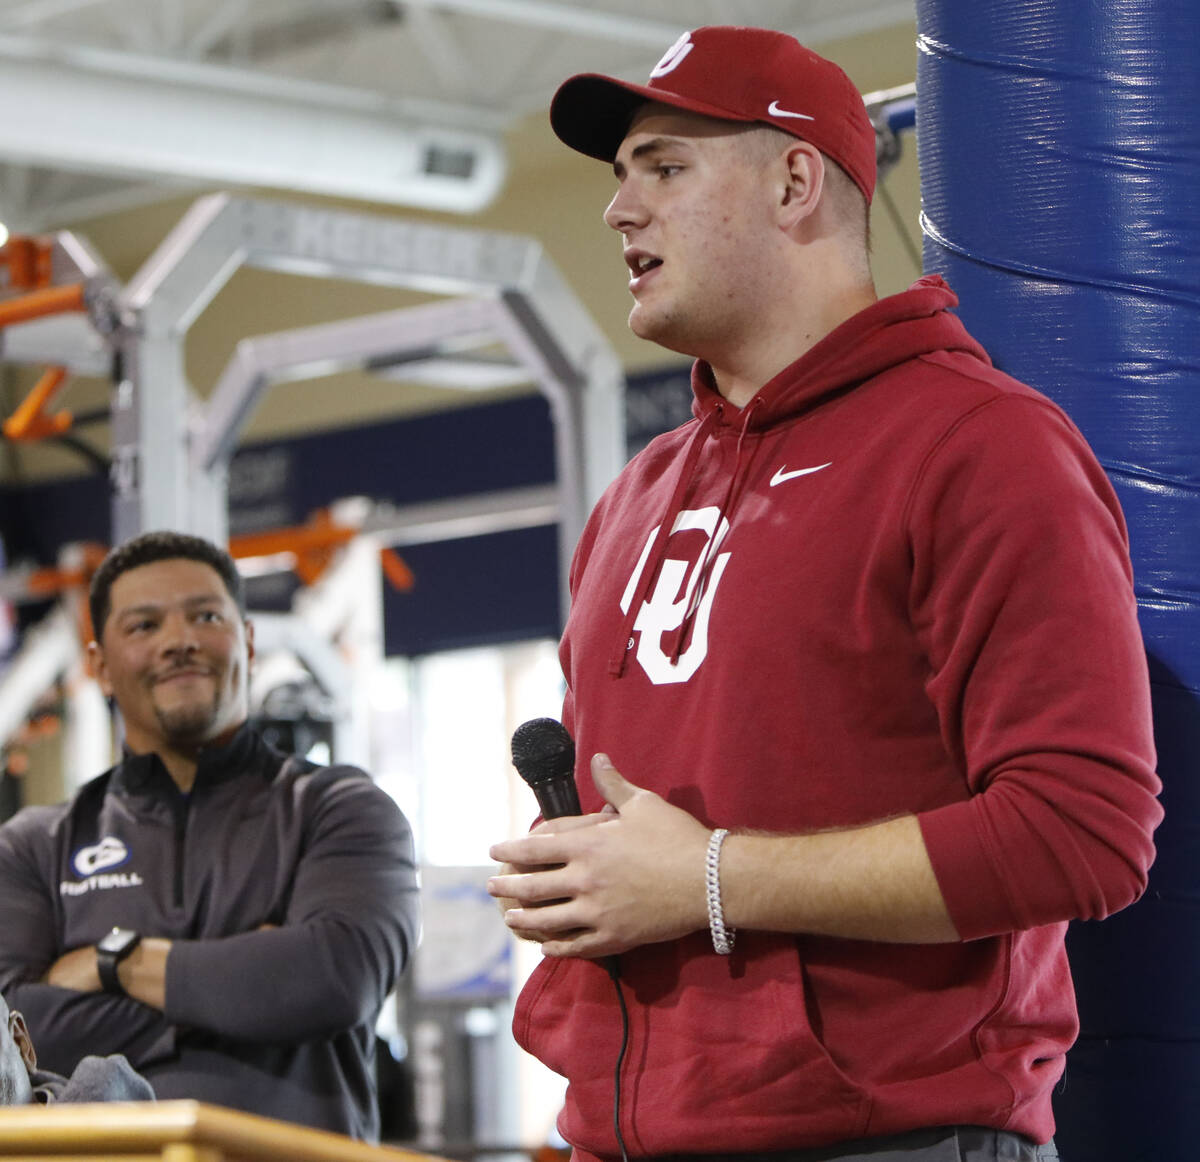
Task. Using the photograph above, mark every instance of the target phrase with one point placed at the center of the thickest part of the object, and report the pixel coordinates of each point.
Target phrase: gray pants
(942, 1144)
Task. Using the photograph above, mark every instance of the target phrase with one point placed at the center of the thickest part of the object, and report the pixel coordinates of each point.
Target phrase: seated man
(230, 918)
(95, 1078)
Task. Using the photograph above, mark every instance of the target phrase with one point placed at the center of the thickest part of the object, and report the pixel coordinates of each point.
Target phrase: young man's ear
(803, 183)
(249, 638)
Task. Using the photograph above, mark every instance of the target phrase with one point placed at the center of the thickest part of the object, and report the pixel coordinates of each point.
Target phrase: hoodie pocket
(721, 1055)
(749, 1064)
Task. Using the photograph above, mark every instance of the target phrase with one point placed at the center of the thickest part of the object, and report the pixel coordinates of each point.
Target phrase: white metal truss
(507, 291)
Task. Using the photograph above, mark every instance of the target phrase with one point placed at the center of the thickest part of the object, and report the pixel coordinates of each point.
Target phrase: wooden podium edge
(146, 1127)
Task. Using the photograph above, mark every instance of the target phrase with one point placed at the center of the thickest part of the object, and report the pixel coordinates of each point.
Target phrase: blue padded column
(1059, 143)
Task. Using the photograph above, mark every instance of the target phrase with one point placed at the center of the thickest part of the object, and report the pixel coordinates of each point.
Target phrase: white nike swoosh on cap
(773, 110)
(780, 475)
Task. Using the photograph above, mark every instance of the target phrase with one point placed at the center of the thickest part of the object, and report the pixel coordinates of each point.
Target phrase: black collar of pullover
(245, 751)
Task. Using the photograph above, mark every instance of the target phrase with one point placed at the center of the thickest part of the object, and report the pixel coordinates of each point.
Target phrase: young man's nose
(625, 212)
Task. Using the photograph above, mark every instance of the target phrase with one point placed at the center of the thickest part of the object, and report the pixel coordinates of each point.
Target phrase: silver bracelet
(722, 937)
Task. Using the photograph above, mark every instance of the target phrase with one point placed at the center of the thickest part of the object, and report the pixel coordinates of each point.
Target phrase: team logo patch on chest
(94, 864)
(108, 853)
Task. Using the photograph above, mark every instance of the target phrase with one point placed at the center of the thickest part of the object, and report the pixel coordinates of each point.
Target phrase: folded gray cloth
(95, 1079)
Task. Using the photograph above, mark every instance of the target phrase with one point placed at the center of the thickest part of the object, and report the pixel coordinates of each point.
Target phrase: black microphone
(544, 755)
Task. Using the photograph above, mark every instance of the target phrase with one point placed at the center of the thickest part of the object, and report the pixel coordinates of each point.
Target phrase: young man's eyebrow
(654, 145)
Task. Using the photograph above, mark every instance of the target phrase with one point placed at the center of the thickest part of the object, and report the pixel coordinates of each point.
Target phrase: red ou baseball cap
(735, 74)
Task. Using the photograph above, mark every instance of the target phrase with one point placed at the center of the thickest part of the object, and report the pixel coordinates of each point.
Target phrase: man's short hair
(162, 545)
(851, 208)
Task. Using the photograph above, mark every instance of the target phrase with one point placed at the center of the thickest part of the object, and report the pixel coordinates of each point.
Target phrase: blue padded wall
(1059, 145)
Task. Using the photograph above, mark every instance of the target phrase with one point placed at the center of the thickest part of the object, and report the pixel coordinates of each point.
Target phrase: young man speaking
(854, 660)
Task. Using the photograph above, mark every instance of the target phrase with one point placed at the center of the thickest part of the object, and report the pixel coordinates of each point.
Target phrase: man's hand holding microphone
(596, 885)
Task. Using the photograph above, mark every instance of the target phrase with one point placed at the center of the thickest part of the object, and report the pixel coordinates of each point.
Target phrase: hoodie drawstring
(683, 635)
(658, 548)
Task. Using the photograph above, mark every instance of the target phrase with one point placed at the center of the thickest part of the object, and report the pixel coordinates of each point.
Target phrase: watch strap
(108, 959)
(106, 966)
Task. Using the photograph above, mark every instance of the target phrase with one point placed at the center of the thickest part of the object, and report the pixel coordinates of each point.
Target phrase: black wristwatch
(110, 951)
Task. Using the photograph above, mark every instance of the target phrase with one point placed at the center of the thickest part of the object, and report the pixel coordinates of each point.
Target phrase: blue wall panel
(1060, 178)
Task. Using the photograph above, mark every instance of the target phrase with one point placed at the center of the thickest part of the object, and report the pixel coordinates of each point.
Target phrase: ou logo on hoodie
(675, 599)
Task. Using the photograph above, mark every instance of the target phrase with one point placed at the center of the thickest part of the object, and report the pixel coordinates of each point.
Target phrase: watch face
(117, 941)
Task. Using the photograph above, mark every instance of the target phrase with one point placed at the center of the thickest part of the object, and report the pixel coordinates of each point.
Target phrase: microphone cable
(613, 967)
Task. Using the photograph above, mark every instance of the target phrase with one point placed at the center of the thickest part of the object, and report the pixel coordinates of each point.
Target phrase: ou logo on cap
(673, 57)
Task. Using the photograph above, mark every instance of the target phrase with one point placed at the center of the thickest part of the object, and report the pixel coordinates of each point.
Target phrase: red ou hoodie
(896, 582)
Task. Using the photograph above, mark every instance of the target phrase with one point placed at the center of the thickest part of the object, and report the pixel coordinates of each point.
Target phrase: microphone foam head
(543, 751)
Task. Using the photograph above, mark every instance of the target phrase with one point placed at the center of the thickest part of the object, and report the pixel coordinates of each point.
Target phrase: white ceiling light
(116, 113)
